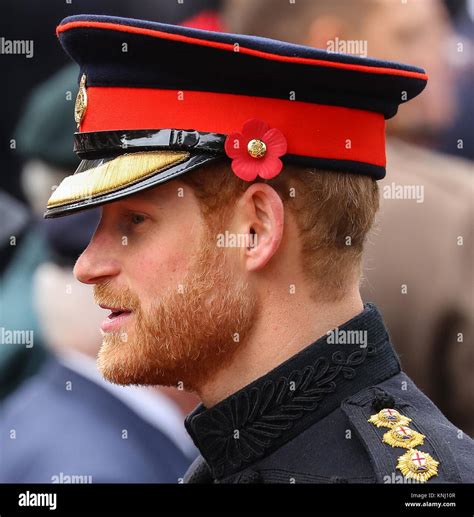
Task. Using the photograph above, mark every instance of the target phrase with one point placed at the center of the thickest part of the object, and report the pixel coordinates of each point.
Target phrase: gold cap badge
(417, 465)
(81, 102)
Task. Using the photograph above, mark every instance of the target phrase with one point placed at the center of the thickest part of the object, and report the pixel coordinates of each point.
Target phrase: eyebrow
(151, 196)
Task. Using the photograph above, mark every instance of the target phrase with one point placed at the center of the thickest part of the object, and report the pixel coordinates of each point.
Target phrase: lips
(114, 311)
(117, 312)
(116, 319)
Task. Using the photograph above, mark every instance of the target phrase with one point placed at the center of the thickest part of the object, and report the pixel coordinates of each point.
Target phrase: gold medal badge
(417, 465)
(403, 436)
(389, 418)
(81, 102)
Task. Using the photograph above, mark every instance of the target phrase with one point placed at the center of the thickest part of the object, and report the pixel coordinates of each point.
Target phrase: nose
(99, 261)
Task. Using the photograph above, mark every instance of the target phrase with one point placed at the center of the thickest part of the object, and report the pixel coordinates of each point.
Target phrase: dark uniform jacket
(307, 421)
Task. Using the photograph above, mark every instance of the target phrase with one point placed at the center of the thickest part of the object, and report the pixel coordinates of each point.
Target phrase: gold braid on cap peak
(112, 175)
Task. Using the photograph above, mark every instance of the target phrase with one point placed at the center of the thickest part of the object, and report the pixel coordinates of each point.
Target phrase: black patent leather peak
(193, 162)
(109, 143)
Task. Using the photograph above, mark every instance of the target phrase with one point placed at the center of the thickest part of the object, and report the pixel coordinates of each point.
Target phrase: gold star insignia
(403, 436)
(417, 465)
(389, 418)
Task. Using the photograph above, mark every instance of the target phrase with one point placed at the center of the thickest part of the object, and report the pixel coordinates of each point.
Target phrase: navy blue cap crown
(172, 99)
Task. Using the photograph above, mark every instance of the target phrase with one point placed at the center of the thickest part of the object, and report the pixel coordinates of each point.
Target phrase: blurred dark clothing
(462, 127)
(67, 425)
(68, 237)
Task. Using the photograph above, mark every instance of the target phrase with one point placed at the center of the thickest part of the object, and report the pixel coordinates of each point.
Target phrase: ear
(261, 216)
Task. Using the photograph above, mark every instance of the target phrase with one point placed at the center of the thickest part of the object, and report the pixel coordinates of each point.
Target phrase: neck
(184, 400)
(280, 332)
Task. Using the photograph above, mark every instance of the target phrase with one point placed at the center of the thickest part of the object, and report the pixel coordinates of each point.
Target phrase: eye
(136, 219)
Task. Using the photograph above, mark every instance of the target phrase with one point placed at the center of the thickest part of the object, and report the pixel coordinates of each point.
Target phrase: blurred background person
(67, 424)
(44, 142)
(419, 261)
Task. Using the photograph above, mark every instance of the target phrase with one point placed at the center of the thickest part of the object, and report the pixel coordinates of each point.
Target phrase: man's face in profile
(176, 306)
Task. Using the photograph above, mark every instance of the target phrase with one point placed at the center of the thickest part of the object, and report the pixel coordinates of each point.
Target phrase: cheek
(162, 265)
(160, 272)
(162, 260)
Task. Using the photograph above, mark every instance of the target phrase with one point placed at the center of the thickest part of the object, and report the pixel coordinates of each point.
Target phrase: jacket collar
(261, 417)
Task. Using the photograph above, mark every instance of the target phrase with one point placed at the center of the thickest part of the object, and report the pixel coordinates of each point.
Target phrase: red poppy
(256, 151)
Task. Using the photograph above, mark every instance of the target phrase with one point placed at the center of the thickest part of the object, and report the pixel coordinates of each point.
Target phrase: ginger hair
(333, 211)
